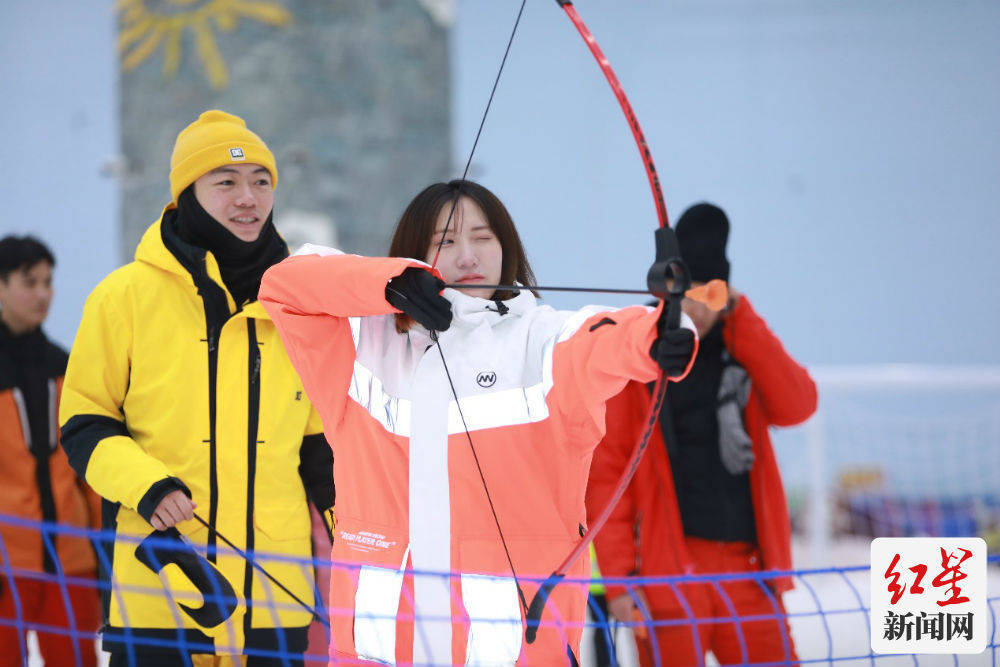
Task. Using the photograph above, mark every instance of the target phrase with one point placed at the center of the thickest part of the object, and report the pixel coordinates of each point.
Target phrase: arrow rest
(669, 265)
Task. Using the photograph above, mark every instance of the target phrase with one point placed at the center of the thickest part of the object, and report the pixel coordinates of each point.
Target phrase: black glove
(165, 547)
(672, 350)
(417, 292)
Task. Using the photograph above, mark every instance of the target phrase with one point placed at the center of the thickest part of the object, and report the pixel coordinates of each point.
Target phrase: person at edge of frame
(707, 497)
(520, 400)
(39, 483)
(182, 407)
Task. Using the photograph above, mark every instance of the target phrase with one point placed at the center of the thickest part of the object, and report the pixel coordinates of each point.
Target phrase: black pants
(176, 659)
(604, 647)
(294, 641)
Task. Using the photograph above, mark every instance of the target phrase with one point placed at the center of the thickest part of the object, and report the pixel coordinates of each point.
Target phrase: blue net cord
(820, 618)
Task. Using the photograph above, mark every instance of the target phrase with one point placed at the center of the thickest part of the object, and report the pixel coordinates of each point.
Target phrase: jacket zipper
(216, 316)
(253, 409)
(213, 473)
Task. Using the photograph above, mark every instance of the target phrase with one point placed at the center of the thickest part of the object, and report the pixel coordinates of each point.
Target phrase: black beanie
(702, 232)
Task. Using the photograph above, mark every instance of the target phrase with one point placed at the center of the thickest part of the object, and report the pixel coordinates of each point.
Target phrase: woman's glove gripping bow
(672, 350)
(417, 292)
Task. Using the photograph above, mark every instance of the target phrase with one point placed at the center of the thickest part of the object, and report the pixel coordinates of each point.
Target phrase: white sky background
(59, 127)
(855, 145)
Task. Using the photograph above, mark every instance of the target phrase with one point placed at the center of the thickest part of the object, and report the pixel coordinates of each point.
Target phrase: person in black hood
(39, 484)
(707, 498)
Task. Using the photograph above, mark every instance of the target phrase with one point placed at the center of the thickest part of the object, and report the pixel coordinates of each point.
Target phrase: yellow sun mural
(146, 24)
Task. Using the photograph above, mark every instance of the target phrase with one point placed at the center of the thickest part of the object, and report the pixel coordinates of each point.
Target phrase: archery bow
(667, 259)
(667, 263)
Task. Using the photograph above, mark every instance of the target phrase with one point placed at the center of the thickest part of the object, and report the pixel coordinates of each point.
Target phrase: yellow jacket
(170, 385)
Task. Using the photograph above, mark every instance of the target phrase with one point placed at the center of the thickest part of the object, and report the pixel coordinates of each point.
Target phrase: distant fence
(895, 450)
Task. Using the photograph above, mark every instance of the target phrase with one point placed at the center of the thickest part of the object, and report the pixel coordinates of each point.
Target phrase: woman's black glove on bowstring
(417, 292)
(672, 348)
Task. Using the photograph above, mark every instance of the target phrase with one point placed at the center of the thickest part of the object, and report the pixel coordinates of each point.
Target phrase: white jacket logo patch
(486, 379)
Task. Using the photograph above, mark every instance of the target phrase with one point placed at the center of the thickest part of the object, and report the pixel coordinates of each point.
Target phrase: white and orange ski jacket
(531, 382)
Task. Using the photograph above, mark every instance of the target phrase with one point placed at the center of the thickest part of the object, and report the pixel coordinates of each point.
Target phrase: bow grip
(668, 264)
(537, 606)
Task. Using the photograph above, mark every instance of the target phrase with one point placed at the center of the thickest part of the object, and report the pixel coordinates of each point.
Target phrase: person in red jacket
(707, 497)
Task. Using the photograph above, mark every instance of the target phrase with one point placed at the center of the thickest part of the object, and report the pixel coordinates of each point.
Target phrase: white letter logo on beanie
(237, 154)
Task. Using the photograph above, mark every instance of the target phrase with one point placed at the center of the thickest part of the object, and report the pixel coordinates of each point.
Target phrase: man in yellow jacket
(182, 410)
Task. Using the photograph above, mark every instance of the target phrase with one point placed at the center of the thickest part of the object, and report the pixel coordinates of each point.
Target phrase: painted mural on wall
(147, 24)
(351, 96)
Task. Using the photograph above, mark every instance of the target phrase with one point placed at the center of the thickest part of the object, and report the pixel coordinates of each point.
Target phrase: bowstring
(479, 132)
(433, 334)
(248, 558)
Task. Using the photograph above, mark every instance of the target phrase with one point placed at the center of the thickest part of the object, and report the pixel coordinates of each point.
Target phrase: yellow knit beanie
(216, 139)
